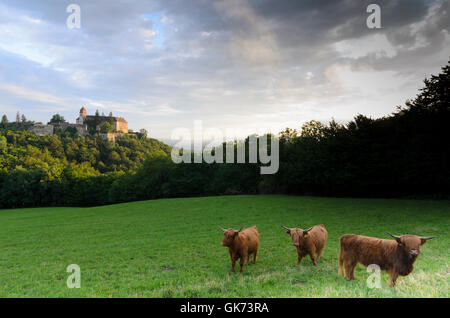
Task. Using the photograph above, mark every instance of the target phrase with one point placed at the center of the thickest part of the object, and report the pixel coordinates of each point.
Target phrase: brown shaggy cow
(308, 242)
(241, 244)
(397, 256)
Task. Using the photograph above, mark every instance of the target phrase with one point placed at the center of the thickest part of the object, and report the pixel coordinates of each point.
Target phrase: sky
(249, 65)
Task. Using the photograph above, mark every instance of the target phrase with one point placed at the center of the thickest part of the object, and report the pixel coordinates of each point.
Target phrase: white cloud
(309, 75)
(28, 94)
(377, 45)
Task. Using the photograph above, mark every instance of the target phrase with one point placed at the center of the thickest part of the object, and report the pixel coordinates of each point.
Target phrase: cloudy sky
(254, 64)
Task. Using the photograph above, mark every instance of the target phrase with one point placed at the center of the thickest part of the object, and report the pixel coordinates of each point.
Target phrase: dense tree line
(158, 176)
(404, 154)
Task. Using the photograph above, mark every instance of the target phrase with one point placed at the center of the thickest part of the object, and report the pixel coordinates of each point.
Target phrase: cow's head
(228, 236)
(297, 235)
(411, 243)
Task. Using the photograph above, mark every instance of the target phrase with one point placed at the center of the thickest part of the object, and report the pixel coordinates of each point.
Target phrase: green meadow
(171, 248)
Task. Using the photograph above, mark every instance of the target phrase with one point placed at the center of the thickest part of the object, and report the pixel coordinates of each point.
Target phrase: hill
(92, 154)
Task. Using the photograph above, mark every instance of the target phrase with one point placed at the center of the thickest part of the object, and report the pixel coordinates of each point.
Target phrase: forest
(404, 154)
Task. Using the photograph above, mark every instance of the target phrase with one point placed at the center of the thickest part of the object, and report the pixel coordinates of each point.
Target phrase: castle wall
(80, 120)
(81, 129)
(42, 130)
(111, 136)
(121, 126)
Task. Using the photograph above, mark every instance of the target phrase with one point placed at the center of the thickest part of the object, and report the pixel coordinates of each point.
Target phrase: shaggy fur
(397, 256)
(241, 244)
(309, 242)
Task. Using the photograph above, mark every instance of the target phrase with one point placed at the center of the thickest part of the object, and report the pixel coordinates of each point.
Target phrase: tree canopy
(57, 119)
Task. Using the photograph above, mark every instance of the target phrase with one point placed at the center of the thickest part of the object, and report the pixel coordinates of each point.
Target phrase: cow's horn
(223, 230)
(395, 236)
(424, 238)
(285, 227)
(308, 229)
(239, 230)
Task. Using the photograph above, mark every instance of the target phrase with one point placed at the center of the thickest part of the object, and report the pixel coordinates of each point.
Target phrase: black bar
(215, 307)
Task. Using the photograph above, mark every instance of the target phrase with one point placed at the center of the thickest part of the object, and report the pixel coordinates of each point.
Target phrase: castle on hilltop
(120, 125)
(108, 127)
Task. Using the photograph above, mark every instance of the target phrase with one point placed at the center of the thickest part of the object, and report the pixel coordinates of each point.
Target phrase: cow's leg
(241, 263)
(231, 258)
(313, 256)
(254, 256)
(248, 259)
(392, 278)
(353, 270)
(234, 258)
(313, 259)
(244, 258)
(299, 256)
(350, 270)
(341, 261)
(320, 252)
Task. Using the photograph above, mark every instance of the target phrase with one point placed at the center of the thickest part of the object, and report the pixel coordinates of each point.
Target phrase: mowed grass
(171, 248)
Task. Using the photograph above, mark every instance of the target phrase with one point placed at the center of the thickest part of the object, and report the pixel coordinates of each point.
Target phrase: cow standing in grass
(241, 244)
(308, 242)
(397, 256)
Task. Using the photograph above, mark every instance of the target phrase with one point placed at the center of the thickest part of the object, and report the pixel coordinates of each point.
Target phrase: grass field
(171, 248)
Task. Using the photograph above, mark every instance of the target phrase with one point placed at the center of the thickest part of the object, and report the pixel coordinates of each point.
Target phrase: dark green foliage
(71, 132)
(65, 169)
(21, 188)
(3, 143)
(107, 128)
(160, 177)
(20, 124)
(57, 119)
(4, 122)
(405, 154)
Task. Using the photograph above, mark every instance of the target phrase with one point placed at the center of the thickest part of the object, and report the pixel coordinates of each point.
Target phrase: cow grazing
(397, 256)
(241, 244)
(308, 242)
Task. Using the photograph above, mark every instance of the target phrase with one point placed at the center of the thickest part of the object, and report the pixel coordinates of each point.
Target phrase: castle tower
(83, 112)
(80, 120)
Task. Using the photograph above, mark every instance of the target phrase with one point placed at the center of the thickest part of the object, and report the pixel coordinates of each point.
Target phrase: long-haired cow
(308, 242)
(397, 256)
(241, 244)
